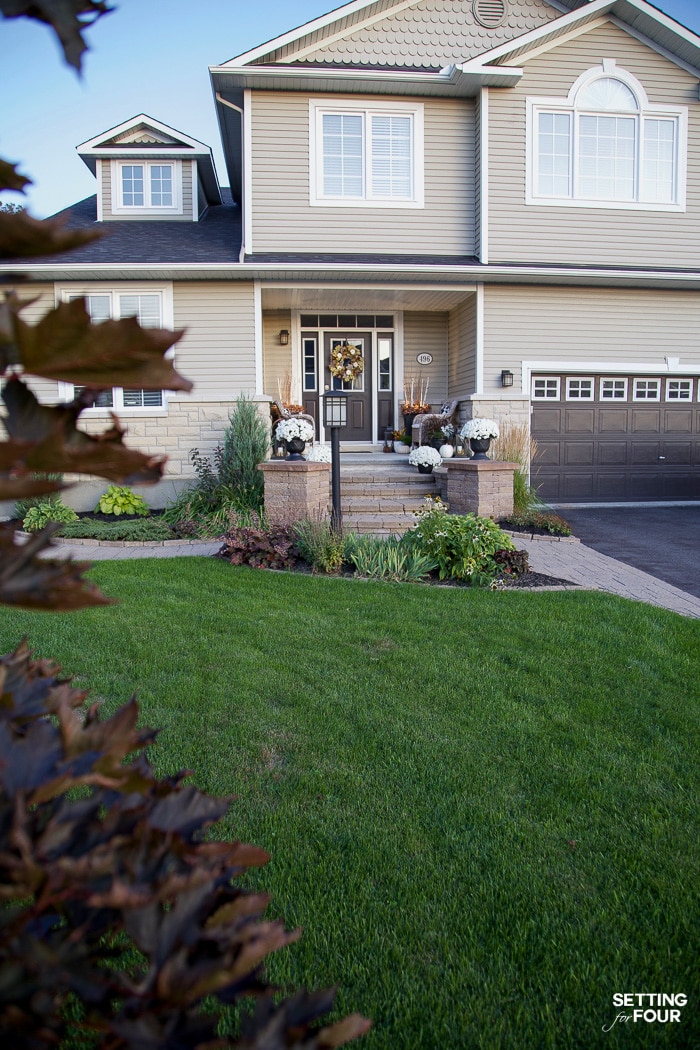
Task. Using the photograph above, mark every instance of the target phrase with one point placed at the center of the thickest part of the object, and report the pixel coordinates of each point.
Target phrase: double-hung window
(150, 308)
(606, 145)
(367, 154)
(147, 186)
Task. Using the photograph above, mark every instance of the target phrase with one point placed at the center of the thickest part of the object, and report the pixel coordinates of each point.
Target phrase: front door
(359, 426)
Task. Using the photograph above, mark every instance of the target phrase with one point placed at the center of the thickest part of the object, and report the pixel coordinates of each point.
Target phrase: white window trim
(64, 292)
(580, 379)
(119, 208)
(687, 399)
(646, 400)
(546, 378)
(320, 106)
(613, 379)
(647, 110)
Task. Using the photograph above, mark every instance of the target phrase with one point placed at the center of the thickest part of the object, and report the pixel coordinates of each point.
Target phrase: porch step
(379, 497)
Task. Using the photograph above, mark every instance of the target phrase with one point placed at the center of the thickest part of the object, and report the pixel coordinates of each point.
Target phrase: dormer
(148, 171)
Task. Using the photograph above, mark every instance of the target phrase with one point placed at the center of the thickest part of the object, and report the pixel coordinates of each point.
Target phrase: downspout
(232, 105)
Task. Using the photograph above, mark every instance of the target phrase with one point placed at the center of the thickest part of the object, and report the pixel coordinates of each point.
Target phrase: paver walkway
(565, 559)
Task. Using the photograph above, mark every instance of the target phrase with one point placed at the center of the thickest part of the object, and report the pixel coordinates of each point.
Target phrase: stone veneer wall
(502, 409)
(185, 425)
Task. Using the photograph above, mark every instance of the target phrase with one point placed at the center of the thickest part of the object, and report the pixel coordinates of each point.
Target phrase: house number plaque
(425, 359)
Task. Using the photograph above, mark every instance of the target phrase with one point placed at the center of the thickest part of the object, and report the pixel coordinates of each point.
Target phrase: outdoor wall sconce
(284, 337)
(506, 378)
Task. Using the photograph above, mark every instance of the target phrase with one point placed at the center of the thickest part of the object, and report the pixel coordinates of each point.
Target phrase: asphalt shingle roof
(214, 239)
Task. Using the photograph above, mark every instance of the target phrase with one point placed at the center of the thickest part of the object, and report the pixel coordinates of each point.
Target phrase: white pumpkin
(447, 451)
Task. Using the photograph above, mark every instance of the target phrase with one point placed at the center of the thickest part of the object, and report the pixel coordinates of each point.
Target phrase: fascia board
(451, 80)
(94, 145)
(386, 274)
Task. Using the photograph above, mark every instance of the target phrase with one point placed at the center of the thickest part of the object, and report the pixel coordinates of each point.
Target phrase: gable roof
(143, 136)
(402, 33)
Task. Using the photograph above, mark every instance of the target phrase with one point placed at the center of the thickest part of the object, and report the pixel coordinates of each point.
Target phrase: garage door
(616, 438)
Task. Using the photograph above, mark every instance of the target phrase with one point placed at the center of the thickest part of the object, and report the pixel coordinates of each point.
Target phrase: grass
(480, 806)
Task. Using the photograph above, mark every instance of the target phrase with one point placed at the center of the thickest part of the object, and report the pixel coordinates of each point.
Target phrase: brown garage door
(616, 438)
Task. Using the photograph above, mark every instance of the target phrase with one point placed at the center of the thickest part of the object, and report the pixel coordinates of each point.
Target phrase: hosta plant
(45, 511)
(120, 499)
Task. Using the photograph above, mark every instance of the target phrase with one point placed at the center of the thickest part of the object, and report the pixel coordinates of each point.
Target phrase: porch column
(295, 489)
(481, 487)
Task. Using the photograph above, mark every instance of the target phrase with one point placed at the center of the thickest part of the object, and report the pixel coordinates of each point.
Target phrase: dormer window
(147, 187)
(606, 145)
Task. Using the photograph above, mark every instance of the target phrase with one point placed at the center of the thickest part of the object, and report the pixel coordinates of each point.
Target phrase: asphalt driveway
(663, 541)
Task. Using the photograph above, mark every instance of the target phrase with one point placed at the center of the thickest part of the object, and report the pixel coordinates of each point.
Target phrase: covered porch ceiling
(345, 298)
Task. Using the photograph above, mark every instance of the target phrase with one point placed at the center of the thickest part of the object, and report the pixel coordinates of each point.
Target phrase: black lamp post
(335, 416)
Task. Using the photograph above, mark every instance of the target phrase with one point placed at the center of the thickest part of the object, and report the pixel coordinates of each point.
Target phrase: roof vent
(490, 13)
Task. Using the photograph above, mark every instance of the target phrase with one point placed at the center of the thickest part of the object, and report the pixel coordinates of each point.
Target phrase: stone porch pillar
(483, 487)
(295, 489)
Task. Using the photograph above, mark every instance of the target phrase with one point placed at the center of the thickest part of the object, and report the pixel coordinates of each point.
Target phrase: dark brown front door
(359, 426)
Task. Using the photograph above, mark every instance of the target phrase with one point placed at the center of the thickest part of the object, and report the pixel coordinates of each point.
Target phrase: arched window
(605, 145)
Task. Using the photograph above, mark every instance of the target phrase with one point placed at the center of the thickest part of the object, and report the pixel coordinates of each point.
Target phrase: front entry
(359, 426)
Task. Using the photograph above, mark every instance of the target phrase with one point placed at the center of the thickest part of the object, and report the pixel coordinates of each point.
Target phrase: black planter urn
(295, 447)
(479, 447)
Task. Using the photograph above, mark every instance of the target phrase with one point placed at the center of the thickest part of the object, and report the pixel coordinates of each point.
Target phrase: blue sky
(149, 56)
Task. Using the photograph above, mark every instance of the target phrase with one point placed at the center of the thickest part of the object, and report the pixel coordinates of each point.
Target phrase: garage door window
(679, 389)
(545, 389)
(613, 390)
(647, 389)
(579, 390)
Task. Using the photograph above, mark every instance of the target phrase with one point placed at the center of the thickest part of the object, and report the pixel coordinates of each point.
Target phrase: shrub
(246, 445)
(463, 546)
(546, 521)
(23, 505)
(319, 544)
(515, 445)
(388, 559)
(89, 529)
(120, 499)
(260, 545)
(52, 508)
(512, 563)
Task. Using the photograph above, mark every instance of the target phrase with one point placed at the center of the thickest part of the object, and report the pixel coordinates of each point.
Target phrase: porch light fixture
(284, 337)
(506, 378)
(335, 416)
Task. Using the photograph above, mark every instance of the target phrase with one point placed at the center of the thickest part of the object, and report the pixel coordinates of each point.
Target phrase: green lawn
(481, 806)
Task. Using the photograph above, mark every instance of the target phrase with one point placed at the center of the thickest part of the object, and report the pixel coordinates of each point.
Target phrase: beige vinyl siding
(430, 34)
(284, 220)
(188, 171)
(426, 332)
(46, 390)
(462, 341)
(277, 360)
(217, 351)
(583, 235)
(630, 327)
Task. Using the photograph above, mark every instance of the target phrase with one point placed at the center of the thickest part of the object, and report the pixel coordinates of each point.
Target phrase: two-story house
(499, 196)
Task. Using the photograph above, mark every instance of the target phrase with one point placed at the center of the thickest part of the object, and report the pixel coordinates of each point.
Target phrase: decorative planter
(408, 421)
(479, 447)
(295, 447)
(424, 468)
(446, 451)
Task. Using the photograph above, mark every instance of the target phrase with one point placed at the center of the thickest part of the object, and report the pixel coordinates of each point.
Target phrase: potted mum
(295, 433)
(479, 433)
(425, 457)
